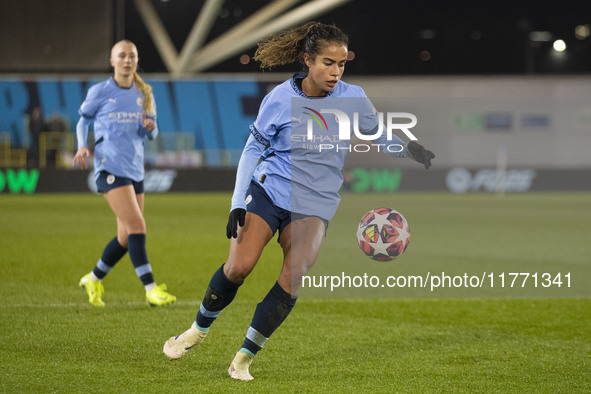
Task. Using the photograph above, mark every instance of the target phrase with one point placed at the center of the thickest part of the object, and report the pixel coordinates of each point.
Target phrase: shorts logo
(248, 199)
(110, 179)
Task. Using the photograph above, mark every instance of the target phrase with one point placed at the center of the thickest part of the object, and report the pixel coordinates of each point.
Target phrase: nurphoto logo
(392, 123)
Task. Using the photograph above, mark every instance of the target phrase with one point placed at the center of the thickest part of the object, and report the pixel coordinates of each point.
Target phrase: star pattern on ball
(403, 234)
(381, 220)
(392, 234)
(380, 247)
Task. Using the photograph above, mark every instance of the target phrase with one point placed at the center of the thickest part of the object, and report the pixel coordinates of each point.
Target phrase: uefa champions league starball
(383, 234)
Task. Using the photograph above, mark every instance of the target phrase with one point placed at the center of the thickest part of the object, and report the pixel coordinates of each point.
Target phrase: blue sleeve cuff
(256, 134)
(85, 116)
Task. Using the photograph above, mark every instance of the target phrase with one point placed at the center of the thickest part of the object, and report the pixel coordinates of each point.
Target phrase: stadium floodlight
(559, 45)
(582, 31)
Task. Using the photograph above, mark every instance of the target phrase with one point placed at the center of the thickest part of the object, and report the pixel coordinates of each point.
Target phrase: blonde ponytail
(146, 90)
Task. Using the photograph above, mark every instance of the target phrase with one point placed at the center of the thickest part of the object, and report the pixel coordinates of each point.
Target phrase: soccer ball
(383, 234)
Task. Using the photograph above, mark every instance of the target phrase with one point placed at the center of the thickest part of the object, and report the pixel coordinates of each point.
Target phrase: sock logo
(213, 299)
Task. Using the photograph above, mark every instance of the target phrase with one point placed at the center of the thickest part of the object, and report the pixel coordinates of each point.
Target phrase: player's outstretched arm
(248, 162)
(420, 154)
(81, 135)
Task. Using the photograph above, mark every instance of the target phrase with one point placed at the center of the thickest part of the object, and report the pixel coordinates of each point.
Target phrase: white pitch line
(83, 304)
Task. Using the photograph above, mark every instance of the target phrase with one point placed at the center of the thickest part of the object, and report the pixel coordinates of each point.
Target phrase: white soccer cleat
(239, 367)
(177, 346)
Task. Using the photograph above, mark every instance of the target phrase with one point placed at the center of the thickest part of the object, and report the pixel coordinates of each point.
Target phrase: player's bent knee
(237, 273)
(136, 226)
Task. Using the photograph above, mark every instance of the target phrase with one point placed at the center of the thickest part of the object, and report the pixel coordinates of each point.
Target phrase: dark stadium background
(462, 37)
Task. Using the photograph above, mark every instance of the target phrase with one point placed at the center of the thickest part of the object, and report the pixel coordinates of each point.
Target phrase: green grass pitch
(54, 341)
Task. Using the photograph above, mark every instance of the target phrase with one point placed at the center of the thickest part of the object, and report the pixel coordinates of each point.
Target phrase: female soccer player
(124, 113)
(262, 199)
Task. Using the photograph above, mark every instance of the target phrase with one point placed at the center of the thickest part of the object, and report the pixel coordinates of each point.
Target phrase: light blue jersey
(118, 129)
(295, 174)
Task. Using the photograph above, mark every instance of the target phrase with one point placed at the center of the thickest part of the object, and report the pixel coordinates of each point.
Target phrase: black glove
(236, 219)
(420, 154)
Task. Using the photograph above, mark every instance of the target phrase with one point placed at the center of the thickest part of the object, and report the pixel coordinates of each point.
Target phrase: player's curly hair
(290, 46)
(142, 86)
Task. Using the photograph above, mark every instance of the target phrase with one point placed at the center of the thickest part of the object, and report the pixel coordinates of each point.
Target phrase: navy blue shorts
(107, 181)
(259, 203)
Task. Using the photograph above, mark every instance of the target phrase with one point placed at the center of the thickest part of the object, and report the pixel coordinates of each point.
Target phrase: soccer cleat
(239, 367)
(159, 296)
(94, 290)
(177, 346)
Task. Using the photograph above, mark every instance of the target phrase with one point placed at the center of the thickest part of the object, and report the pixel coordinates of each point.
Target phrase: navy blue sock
(139, 257)
(111, 255)
(268, 316)
(220, 293)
